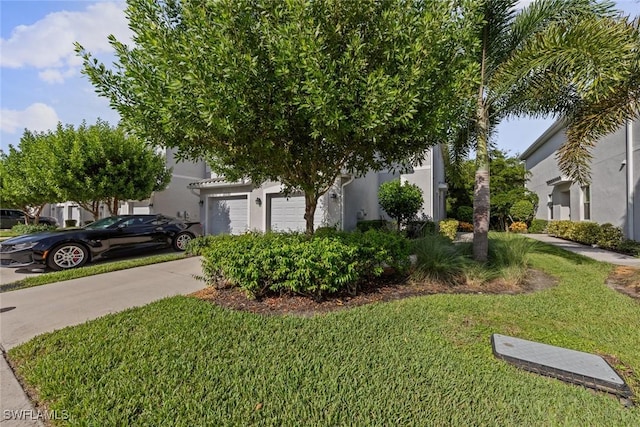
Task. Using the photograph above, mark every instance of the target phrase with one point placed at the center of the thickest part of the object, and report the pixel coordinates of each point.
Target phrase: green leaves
(401, 201)
(270, 263)
(298, 91)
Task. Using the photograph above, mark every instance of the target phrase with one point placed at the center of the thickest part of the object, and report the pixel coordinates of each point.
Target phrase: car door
(136, 233)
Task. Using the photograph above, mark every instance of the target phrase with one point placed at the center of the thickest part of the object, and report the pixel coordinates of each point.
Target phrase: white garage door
(228, 215)
(288, 214)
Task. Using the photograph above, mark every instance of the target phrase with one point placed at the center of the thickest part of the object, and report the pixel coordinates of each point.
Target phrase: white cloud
(48, 43)
(54, 75)
(36, 117)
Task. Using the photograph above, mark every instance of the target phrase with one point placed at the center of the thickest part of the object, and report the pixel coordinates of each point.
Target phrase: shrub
(439, 259)
(292, 262)
(199, 244)
(464, 214)
(584, 232)
(538, 226)
(70, 222)
(509, 256)
(31, 228)
(372, 224)
(325, 231)
(518, 227)
(400, 201)
(559, 228)
(630, 247)
(449, 228)
(521, 210)
(610, 236)
(465, 227)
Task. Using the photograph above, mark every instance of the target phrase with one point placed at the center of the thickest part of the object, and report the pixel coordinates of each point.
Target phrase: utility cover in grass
(568, 365)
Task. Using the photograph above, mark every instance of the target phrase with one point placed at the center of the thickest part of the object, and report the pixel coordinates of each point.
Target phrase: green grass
(8, 233)
(418, 361)
(89, 270)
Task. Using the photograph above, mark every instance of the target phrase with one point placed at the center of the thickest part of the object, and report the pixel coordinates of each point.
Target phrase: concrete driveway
(26, 313)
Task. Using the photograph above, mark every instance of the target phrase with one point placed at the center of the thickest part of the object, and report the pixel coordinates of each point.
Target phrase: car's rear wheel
(68, 255)
(181, 241)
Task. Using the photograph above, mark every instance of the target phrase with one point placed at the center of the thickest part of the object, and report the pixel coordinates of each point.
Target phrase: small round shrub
(518, 227)
(400, 201)
(464, 214)
(465, 227)
(449, 228)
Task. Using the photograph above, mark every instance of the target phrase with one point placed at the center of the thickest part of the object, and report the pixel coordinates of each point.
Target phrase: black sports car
(107, 237)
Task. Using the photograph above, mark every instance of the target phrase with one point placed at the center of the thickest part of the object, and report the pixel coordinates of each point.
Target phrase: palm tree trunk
(481, 195)
(481, 199)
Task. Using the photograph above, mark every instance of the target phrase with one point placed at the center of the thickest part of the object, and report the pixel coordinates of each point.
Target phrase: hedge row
(589, 233)
(315, 266)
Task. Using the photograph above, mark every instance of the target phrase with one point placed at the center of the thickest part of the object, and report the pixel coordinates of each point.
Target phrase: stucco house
(196, 194)
(613, 195)
(236, 207)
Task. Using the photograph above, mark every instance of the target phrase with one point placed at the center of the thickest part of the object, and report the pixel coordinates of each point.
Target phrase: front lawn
(419, 361)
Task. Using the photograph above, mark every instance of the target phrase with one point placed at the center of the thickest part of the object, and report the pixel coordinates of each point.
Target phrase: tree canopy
(298, 92)
(401, 201)
(89, 165)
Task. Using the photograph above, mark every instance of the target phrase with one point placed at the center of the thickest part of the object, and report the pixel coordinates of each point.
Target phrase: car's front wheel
(69, 255)
(181, 241)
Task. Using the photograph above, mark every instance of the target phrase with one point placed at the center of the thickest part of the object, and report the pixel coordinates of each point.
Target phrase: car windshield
(103, 223)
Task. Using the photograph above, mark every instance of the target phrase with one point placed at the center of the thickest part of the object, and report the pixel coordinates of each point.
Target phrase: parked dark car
(105, 238)
(11, 217)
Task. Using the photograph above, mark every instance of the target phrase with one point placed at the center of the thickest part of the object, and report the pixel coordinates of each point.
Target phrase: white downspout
(351, 178)
(433, 183)
(630, 182)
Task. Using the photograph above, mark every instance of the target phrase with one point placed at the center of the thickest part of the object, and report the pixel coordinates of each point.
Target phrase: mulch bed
(385, 289)
(625, 280)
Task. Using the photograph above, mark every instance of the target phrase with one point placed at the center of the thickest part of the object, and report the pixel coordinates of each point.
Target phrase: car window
(161, 220)
(133, 222)
(103, 223)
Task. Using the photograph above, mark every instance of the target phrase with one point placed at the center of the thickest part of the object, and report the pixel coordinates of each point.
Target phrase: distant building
(613, 195)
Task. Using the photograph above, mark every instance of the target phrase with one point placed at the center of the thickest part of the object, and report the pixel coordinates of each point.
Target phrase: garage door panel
(288, 214)
(228, 215)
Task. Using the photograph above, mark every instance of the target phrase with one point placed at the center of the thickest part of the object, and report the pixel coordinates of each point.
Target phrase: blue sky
(41, 83)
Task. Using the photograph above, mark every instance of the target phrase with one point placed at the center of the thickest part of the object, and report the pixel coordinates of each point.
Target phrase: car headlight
(22, 246)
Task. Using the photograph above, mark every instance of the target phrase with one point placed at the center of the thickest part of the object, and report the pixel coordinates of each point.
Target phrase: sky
(41, 83)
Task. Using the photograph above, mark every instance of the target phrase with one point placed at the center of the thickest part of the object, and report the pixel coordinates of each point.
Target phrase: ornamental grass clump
(438, 259)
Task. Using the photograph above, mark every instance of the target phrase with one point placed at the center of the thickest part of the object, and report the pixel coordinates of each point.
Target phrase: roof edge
(542, 139)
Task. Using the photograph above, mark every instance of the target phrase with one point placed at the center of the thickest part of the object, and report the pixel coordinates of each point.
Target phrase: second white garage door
(288, 214)
(228, 215)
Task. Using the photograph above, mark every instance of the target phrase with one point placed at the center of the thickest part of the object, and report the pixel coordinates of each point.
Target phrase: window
(586, 202)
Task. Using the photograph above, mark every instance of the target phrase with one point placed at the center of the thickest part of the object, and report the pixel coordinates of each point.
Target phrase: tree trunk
(481, 200)
(310, 204)
(481, 195)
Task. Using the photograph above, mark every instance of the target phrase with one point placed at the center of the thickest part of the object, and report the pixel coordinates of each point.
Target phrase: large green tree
(88, 165)
(27, 175)
(297, 91)
(103, 164)
(576, 59)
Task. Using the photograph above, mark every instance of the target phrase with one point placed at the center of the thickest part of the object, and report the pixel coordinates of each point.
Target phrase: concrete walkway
(29, 312)
(588, 251)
